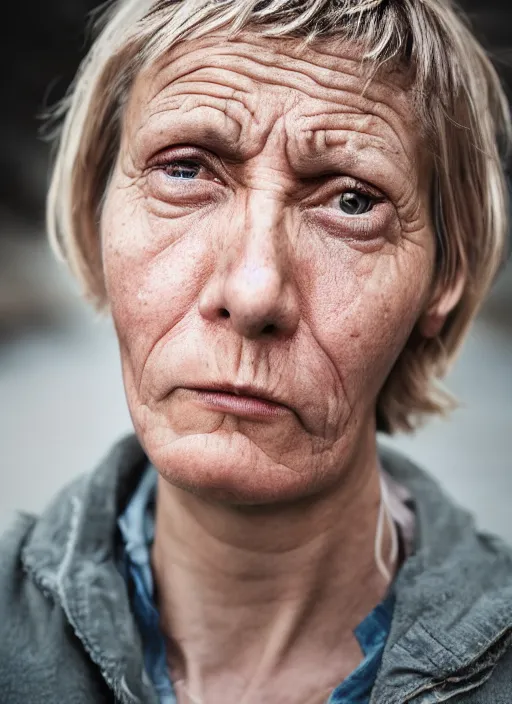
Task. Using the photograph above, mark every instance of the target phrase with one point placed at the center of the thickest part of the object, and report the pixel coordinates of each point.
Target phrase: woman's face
(265, 231)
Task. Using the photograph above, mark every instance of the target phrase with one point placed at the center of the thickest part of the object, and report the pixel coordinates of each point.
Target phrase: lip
(239, 400)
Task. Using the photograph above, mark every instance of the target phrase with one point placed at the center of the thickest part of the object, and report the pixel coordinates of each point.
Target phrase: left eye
(355, 203)
(184, 170)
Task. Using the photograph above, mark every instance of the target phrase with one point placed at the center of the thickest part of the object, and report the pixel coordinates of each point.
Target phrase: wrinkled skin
(228, 257)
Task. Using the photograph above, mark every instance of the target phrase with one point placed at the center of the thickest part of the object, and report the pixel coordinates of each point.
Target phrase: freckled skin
(250, 273)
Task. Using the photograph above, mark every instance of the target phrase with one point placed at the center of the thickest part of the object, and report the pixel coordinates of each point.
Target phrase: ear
(443, 302)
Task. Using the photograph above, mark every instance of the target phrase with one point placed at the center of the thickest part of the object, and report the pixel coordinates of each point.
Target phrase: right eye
(183, 177)
(183, 169)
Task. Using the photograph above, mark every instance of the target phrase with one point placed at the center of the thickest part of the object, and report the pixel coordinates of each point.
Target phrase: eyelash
(164, 161)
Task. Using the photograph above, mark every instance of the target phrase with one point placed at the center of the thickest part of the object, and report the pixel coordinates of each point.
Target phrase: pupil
(353, 203)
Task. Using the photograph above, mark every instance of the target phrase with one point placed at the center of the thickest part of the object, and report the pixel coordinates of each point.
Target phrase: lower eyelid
(373, 223)
(179, 191)
(338, 210)
(207, 176)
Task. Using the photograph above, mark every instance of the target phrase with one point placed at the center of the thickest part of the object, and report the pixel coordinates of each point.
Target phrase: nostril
(269, 329)
(224, 313)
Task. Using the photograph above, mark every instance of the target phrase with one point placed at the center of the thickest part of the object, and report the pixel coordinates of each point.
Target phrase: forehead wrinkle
(335, 100)
(221, 77)
(194, 84)
(382, 133)
(365, 124)
(306, 69)
(321, 146)
(254, 70)
(211, 64)
(335, 56)
(327, 71)
(176, 95)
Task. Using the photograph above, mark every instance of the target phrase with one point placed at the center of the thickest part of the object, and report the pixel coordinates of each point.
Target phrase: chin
(228, 468)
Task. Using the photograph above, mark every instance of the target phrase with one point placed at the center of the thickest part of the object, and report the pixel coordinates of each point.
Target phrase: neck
(247, 594)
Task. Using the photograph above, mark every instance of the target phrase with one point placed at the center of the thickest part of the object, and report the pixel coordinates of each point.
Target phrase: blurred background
(60, 380)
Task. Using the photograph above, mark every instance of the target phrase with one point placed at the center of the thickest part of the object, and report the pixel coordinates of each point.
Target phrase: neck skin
(256, 601)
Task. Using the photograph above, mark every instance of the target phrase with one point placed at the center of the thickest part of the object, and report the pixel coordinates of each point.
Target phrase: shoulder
(12, 573)
(24, 605)
(24, 613)
(453, 597)
(41, 658)
(447, 539)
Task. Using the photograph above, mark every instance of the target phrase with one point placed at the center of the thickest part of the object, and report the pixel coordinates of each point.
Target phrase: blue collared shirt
(137, 529)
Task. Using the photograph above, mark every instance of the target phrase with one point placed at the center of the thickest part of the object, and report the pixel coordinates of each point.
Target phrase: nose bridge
(262, 239)
(256, 279)
(254, 287)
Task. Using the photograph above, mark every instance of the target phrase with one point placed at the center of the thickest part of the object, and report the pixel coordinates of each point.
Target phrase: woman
(292, 211)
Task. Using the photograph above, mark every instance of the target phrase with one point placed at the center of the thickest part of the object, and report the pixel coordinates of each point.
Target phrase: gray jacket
(67, 634)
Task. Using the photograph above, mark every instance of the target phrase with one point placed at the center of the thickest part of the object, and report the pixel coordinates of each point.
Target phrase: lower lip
(248, 406)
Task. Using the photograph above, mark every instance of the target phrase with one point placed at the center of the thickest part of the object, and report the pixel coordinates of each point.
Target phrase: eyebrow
(342, 151)
(169, 127)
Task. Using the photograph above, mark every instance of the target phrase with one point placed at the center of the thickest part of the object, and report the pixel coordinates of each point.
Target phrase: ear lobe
(433, 319)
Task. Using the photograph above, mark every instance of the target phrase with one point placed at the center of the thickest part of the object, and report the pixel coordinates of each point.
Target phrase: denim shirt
(136, 525)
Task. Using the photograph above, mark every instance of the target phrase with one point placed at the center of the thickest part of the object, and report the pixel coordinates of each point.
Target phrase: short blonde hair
(458, 97)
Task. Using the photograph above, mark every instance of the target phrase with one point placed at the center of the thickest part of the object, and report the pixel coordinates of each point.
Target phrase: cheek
(359, 307)
(363, 308)
(152, 273)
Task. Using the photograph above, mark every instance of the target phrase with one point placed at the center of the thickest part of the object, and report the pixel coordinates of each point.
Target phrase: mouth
(244, 401)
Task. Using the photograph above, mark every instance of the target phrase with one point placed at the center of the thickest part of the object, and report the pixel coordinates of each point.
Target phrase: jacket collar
(452, 595)
(452, 616)
(72, 554)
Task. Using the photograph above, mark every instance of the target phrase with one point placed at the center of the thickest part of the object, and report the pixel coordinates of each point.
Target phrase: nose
(252, 288)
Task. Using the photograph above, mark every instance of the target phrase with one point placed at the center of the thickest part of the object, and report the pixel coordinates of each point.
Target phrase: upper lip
(242, 390)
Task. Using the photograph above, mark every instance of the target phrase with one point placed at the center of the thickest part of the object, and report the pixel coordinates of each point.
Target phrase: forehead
(241, 87)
